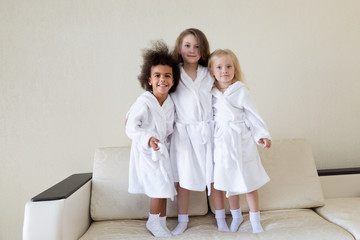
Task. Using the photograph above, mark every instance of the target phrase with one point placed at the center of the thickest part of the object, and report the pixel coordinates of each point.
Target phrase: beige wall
(68, 74)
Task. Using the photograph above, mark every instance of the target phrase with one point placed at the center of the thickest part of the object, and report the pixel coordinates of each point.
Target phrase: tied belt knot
(204, 130)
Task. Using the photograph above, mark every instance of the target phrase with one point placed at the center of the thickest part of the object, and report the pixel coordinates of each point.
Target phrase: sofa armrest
(338, 171)
(61, 212)
(340, 183)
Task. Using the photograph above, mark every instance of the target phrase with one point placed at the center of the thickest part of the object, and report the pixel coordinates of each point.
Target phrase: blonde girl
(191, 143)
(238, 127)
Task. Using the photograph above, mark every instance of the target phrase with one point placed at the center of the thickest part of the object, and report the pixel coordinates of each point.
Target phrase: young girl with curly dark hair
(191, 144)
(149, 125)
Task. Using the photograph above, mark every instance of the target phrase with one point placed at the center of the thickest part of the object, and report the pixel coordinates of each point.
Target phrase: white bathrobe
(191, 142)
(238, 127)
(150, 171)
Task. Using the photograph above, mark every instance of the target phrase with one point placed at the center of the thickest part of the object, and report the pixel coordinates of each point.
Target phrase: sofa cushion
(294, 182)
(297, 224)
(344, 212)
(333, 186)
(110, 198)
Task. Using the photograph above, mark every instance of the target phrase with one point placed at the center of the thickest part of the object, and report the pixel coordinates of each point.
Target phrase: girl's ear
(149, 81)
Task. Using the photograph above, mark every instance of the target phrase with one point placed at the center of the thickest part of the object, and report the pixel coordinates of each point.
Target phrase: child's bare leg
(163, 214)
(235, 212)
(253, 201)
(154, 223)
(155, 205)
(234, 202)
(183, 207)
(218, 199)
(163, 207)
(183, 200)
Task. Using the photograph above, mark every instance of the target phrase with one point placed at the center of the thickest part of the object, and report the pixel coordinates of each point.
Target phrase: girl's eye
(197, 46)
(168, 76)
(218, 67)
(157, 75)
(229, 66)
(187, 45)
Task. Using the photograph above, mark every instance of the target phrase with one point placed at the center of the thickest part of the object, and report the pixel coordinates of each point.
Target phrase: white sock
(163, 224)
(255, 222)
(182, 225)
(220, 220)
(237, 219)
(154, 226)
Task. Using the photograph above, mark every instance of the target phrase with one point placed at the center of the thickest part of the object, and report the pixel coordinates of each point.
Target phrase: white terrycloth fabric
(150, 171)
(191, 144)
(238, 126)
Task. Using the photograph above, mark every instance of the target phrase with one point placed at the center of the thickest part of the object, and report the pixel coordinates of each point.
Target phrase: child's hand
(265, 142)
(153, 143)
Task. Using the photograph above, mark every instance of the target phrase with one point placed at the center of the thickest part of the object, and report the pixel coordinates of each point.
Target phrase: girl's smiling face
(190, 49)
(161, 79)
(223, 70)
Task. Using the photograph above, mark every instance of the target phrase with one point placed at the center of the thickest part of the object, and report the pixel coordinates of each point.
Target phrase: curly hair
(202, 41)
(158, 54)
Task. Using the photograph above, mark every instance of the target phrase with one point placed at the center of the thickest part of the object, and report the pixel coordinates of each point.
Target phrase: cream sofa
(295, 204)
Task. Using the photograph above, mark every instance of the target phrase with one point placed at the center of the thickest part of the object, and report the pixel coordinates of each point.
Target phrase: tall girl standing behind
(191, 143)
(149, 125)
(238, 126)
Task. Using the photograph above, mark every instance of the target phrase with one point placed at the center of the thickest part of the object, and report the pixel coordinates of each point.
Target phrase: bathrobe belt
(205, 130)
(230, 133)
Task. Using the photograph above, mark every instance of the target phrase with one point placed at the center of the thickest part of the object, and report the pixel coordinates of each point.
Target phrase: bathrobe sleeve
(254, 120)
(139, 124)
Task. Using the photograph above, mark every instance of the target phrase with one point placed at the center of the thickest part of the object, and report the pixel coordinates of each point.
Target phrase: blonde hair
(238, 75)
(202, 41)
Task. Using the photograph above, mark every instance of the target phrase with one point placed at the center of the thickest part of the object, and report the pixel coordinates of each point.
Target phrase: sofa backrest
(110, 198)
(294, 182)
